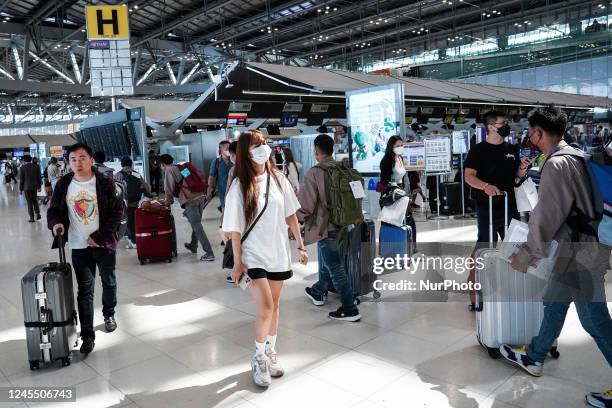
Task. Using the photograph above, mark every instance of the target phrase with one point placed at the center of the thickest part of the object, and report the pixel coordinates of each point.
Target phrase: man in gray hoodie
(565, 213)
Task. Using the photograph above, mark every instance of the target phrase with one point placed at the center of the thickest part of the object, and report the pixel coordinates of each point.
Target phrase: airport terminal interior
(391, 130)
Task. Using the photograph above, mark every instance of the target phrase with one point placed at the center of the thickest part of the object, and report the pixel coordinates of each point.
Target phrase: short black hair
(166, 159)
(127, 162)
(490, 118)
(27, 158)
(78, 146)
(550, 118)
(99, 157)
(325, 144)
(221, 143)
(233, 148)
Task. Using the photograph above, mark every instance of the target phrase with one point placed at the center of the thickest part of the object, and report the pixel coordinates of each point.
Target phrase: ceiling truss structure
(175, 43)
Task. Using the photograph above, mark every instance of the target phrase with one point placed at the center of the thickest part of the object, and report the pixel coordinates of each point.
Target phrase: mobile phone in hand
(245, 281)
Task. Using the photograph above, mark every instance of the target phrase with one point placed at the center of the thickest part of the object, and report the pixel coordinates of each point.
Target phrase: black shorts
(259, 273)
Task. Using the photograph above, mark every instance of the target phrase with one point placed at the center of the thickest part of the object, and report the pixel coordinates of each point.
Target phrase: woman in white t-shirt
(265, 254)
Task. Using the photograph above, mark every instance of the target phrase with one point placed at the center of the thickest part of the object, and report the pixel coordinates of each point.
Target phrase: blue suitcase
(360, 259)
(393, 240)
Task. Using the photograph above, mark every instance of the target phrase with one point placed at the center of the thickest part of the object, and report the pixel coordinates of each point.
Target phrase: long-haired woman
(292, 169)
(265, 255)
(392, 165)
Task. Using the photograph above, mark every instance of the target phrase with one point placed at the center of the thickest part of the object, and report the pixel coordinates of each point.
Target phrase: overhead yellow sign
(108, 22)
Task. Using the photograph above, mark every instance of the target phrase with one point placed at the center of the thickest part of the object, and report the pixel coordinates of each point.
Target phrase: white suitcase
(509, 303)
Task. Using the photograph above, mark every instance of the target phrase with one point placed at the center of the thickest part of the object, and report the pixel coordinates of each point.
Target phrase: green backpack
(343, 209)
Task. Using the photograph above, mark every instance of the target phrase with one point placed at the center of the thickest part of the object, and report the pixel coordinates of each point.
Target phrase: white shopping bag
(395, 214)
(526, 196)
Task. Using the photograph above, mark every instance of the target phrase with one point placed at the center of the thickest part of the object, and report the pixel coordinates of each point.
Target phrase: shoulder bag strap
(246, 234)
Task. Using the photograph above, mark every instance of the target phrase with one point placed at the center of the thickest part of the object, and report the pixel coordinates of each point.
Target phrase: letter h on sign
(114, 20)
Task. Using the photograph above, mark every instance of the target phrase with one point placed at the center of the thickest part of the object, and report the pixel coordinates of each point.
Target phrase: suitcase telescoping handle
(62, 252)
(505, 194)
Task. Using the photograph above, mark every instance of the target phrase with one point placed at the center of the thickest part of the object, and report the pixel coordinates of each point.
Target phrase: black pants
(32, 201)
(131, 223)
(432, 190)
(84, 262)
(155, 177)
(482, 212)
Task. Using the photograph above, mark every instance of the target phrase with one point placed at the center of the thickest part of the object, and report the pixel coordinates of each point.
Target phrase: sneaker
(229, 280)
(130, 245)
(261, 370)
(38, 217)
(316, 300)
(600, 399)
(88, 345)
(207, 257)
(31, 220)
(110, 324)
(191, 249)
(519, 357)
(340, 314)
(276, 370)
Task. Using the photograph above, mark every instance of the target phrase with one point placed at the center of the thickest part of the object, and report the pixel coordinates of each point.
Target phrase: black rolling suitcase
(50, 315)
(450, 198)
(360, 259)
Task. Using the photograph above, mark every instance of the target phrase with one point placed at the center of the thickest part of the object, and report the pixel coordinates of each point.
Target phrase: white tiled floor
(185, 338)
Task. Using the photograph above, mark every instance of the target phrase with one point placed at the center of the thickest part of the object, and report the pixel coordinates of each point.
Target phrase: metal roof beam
(240, 29)
(544, 10)
(181, 20)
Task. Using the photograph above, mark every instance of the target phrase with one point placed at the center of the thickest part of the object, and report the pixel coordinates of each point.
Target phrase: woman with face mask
(392, 164)
(262, 199)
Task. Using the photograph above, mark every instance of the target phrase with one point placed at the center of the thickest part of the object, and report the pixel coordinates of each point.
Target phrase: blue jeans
(594, 317)
(332, 272)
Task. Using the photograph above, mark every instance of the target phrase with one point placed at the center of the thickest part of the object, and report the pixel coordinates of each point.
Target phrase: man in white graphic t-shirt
(86, 211)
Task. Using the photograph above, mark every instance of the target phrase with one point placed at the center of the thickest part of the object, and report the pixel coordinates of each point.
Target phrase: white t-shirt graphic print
(82, 201)
(267, 246)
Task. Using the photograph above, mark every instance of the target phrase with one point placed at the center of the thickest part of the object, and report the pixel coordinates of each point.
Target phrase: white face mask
(261, 154)
(226, 153)
(398, 150)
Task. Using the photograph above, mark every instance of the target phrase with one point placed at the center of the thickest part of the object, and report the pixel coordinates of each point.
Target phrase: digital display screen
(289, 119)
(374, 115)
(236, 119)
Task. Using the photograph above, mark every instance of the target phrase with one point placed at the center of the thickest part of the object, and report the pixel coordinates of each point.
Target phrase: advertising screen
(374, 115)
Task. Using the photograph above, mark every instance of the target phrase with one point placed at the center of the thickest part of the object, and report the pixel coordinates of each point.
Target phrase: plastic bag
(395, 214)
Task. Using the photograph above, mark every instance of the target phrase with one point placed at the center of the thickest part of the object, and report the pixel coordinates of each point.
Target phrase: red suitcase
(155, 235)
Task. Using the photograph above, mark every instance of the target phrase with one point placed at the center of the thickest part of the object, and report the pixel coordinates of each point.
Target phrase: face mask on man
(226, 153)
(530, 144)
(398, 150)
(261, 154)
(504, 131)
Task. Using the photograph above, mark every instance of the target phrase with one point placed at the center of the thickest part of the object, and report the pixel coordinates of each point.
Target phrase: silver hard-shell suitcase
(509, 306)
(50, 316)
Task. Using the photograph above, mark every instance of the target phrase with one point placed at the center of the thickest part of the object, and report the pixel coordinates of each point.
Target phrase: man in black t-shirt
(492, 167)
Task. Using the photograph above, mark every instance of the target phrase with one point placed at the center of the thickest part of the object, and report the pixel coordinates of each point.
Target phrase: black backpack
(133, 189)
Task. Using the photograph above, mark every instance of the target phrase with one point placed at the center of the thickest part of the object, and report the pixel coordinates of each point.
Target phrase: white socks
(271, 342)
(260, 348)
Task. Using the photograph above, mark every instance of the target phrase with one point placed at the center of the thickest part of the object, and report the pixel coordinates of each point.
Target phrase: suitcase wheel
(493, 353)
(65, 361)
(170, 260)
(142, 262)
(554, 352)
(174, 254)
(472, 307)
(376, 294)
(34, 365)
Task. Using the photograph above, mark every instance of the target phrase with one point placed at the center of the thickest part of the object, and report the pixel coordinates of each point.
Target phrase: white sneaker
(131, 245)
(261, 370)
(276, 370)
